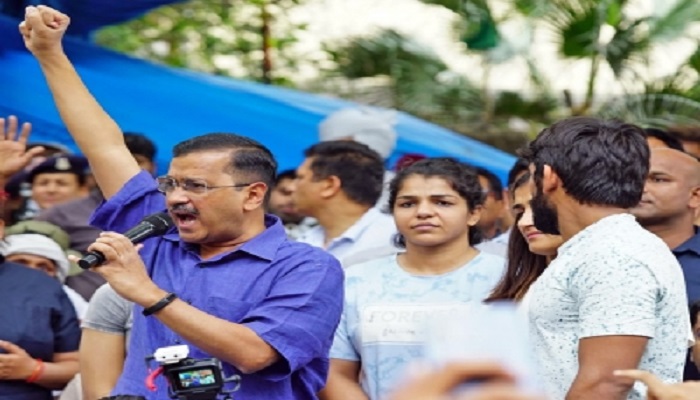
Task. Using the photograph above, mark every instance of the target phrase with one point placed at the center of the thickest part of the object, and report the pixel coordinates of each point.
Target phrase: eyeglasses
(167, 184)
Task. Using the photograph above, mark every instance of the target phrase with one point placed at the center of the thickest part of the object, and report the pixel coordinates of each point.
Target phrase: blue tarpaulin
(171, 105)
(88, 15)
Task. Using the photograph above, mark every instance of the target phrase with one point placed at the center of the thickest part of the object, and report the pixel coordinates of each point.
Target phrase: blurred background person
(39, 331)
(281, 204)
(41, 253)
(499, 244)
(339, 184)
(496, 219)
(689, 135)
(436, 204)
(661, 138)
(670, 202)
(372, 127)
(58, 180)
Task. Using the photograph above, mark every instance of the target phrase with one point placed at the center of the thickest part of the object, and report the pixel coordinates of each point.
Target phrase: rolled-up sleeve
(138, 198)
(301, 313)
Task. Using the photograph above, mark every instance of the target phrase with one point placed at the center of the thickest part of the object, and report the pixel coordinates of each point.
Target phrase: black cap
(77, 165)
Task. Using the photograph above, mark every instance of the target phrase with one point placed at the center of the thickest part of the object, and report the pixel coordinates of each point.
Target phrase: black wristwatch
(161, 304)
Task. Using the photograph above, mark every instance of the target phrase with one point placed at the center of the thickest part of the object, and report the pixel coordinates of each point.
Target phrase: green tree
(249, 39)
(420, 83)
(605, 32)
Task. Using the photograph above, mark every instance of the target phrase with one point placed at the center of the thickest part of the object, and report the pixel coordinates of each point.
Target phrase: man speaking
(226, 282)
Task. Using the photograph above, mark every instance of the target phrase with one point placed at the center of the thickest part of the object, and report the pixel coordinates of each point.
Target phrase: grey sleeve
(108, 312)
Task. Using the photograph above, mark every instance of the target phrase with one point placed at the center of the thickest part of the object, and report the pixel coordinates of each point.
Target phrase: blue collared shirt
(688, 255)
(290, 294)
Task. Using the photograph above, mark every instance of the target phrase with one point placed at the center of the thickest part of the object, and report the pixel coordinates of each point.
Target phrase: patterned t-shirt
(612, 278)
(386, 310)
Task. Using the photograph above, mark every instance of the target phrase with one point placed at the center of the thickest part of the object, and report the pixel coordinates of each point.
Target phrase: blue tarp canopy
(88, 15)
(172, 105)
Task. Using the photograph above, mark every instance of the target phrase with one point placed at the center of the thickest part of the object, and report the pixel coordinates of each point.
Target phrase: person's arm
(343, 381)
(97, 135)
(598, 358)
(101, 362)
(617, 318)
(293, 324)
(103, 343)
(16, 364)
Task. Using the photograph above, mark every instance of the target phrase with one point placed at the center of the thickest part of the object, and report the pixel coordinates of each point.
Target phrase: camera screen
(196, 378)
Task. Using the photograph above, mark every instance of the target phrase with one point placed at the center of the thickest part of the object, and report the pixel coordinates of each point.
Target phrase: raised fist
(42, 29)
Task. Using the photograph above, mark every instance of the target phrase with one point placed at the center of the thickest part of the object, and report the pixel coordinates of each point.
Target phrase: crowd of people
(325, 281)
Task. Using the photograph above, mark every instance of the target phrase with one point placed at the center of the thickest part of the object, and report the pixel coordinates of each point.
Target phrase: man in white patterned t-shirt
(614, 297)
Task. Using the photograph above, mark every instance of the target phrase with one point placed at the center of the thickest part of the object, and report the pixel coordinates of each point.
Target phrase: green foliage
(200, 34)
(387, 53)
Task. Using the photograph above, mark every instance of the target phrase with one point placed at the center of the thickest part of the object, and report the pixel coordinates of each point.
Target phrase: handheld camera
(189, 378)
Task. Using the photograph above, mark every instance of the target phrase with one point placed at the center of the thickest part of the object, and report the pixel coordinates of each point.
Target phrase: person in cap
(58, 180)
(39, 252)
(365, 125)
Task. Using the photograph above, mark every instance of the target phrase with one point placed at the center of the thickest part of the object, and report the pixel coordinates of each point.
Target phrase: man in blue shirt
(263, 305)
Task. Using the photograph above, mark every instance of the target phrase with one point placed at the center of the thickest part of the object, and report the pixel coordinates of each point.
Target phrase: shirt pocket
(229, 310)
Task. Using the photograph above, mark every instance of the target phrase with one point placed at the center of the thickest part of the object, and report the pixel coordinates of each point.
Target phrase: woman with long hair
(388, 301)
(529, 250)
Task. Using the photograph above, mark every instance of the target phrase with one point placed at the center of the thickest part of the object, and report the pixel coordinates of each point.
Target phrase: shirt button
(177, 341)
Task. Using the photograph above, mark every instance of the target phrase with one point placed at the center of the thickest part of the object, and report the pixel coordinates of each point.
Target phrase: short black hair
(359, 168)
(686, 133)
(666, 138)
(521, 166)
(495, 185)
(694, 310)
(463, 179)
(600, 162)
(286, 174)
(249, 158)
(139, 144)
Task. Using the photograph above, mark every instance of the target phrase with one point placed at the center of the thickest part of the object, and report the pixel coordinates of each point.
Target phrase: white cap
(372, 127)
(38, 245)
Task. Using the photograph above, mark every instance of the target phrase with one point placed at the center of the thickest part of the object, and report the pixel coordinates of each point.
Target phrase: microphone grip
(91, 259)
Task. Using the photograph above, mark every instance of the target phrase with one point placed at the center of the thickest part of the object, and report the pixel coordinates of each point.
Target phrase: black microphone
(153, 225)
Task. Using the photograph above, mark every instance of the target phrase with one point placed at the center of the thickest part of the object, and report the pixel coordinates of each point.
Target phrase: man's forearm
(91, 127)
(233, 343)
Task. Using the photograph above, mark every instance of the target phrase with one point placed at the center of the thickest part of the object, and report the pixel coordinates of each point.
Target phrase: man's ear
(694, 200)
(255, 196)
(550, 179)
(475, 215)
(330, 186)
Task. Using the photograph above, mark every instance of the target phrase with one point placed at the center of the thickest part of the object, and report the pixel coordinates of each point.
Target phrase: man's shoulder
(305, 253)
